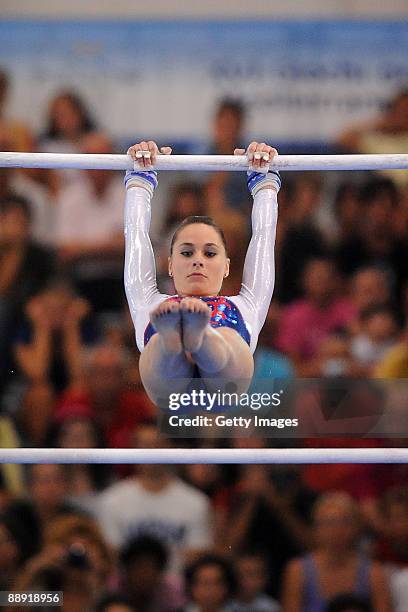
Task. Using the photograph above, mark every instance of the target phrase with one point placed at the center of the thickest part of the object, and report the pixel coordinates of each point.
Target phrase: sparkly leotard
(245, 312)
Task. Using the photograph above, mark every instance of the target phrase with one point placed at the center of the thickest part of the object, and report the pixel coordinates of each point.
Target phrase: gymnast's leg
(164, 365)
(218, 352)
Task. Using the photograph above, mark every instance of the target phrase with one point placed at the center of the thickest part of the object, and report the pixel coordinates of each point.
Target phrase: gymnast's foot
(195, 316)
(166, 319)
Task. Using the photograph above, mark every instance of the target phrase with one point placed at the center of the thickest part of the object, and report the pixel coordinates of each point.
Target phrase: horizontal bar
(203, 162)
(203, 455)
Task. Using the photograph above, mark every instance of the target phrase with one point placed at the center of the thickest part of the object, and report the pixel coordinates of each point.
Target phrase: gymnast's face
(199, 262)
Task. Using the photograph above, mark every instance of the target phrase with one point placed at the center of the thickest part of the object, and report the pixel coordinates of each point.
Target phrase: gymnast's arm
(140, 268)
(259, 267)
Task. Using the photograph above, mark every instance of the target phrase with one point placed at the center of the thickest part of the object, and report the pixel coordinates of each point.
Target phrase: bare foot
(166, 319)
(195, 316)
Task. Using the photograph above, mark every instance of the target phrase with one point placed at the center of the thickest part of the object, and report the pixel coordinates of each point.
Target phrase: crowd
(198, 538)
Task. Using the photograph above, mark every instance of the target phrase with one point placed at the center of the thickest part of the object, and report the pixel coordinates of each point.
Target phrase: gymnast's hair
(198, 219)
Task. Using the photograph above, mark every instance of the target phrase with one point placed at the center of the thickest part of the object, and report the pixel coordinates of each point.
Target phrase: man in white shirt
(89, 227)
(156, 502)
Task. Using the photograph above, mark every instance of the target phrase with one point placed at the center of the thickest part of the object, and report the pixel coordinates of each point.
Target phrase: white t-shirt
(179, 515)
(86, 218)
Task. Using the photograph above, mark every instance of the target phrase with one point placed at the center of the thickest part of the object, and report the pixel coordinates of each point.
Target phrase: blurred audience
(105, 397)
(145, 581)
(156, 502)
(210, 584)
(252, 579)
(386, 133)
(17, 133)
(309, 581)
(92, 251)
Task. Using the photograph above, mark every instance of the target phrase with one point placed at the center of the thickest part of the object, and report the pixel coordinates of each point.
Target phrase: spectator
(270, 363)
(104, 396)
(155, 502)
(268, 509)
(68, 120)
(299, 239)
(387, 133)
(378, 334)
(48, 352)
(93, 250)
(252, 578)
(74, 559)
(145, 583)
(308, 321)
(374, 242)
(226, 191)
(369, 286)
(25, 268)
(15, 183)
(395, 362)
(211, 584)
(335, 566)
(16, 132)
(47, 490)
(346, 209)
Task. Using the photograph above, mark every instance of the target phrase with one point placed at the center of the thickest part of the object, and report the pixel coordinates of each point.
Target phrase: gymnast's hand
(261, 156)
(144, 155)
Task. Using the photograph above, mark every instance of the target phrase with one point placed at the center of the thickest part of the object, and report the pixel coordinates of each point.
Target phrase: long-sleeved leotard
(258, 275)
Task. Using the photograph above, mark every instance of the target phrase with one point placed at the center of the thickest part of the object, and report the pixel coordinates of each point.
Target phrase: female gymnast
(197, 332)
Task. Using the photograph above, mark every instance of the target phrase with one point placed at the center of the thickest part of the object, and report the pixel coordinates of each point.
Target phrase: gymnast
(198, 333)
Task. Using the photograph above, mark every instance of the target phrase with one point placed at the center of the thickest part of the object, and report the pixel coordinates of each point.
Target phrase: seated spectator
(226, 191)
(93, 249)
(25, 268)
(74, 559)
(155, 502)
(210, 584)
(374, 241)
(269, 363)
(15, 183)
(268, 509)
(369, 286)
(392, 548)
(16, 132)
(47, 490)
(395, 362)
(386, 133)
(67, 121)
(48, 352)
(308, 321)
(114, 603)
(252, 578)
(378, 334)
(335, 566)
(145, 582)
(346, 210)
(299, 239)
(104, 396)
(86, 480)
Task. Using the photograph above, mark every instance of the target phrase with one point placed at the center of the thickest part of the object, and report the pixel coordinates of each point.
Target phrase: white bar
(206, 455)
(204, 162)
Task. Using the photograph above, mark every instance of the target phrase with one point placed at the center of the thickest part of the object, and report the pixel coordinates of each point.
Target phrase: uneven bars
(204, 162)
(203, 455)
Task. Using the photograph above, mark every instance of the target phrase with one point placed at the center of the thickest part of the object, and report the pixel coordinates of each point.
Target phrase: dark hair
(198, 219)
(231, 105)
(398, 496)
(144, 546)
(379, 187)
(345, 601)
(13, 201)
(375, 309)
(4, 81)
(88, 124)
(211, 559)
(113, 598)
